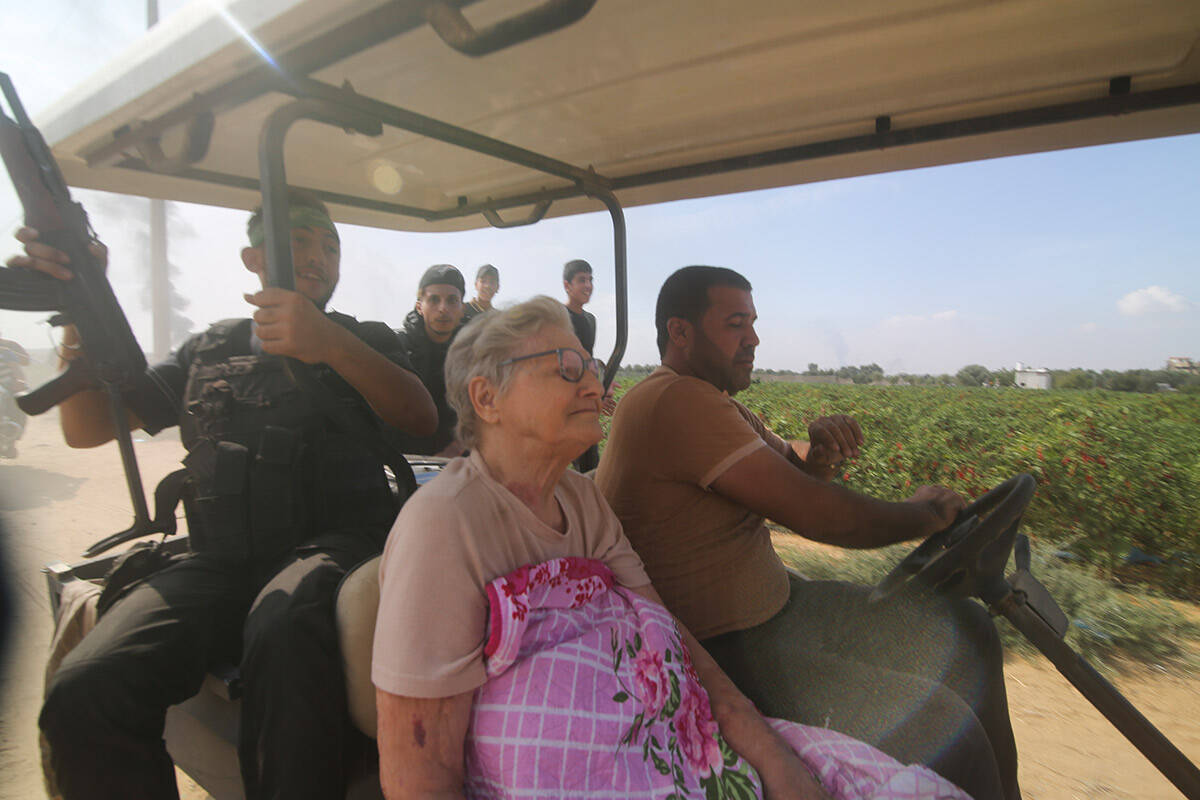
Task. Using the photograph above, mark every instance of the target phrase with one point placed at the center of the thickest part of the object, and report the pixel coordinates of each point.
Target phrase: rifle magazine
(22, 290)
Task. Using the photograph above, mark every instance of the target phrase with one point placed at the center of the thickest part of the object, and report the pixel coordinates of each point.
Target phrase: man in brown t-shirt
(692, 474)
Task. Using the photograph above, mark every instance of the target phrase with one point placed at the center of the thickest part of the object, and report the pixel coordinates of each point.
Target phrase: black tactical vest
(268, 469)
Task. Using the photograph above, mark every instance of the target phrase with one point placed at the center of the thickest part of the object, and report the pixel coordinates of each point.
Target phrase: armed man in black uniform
(283, 503)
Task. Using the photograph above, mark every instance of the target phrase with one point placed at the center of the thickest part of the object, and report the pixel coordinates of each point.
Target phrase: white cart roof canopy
(662, 99)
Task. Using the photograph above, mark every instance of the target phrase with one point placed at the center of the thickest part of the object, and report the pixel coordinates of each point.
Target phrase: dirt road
(55, 501)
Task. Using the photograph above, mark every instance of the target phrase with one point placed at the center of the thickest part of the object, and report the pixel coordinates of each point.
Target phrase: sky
(1081, 258)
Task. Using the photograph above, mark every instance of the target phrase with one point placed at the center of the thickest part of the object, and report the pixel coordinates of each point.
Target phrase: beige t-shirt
(710, 558)
(454, 536)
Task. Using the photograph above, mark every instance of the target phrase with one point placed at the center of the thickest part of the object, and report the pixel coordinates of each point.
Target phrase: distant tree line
(1133, 380)
(865, 373)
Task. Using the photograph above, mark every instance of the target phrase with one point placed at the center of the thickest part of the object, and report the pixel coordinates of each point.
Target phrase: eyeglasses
(571, 363)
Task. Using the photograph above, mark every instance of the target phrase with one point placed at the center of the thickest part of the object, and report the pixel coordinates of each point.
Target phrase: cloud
(1152, 300)
(909, 320)
(1088, 328)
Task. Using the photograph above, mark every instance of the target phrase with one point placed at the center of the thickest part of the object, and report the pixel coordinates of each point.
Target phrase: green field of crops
(1115, 470)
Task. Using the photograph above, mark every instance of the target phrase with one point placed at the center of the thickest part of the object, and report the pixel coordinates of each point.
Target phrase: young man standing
(487, 283)
(428, 331)
(577, 281)
(285, 503)
(693, 475)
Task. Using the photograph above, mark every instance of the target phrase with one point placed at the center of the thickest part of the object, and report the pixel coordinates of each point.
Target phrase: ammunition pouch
(267, 469)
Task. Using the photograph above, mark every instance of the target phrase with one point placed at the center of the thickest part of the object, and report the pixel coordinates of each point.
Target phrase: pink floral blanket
(592, 694)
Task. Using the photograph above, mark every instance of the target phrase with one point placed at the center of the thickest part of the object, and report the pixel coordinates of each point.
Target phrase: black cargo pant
(918, 676)
(105, 707)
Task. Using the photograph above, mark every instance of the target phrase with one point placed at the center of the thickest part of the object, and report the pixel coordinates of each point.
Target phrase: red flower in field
(1040, 456)
(845, 476)
(1100, 460)
(1089, 479)
(907, 482)
(899, 446)
(1066, 461)
(959, 473)
(1085, 456)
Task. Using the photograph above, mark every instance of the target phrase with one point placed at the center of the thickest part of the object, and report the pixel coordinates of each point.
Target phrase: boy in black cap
(487, 283)
(428, 331)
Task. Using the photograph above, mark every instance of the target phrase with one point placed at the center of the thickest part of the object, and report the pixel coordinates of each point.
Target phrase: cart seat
(357, 602)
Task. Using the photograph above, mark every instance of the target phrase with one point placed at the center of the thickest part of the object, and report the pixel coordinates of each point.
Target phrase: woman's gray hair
(486, 341)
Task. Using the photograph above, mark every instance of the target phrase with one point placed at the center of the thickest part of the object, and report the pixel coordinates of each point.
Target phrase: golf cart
(431, 115)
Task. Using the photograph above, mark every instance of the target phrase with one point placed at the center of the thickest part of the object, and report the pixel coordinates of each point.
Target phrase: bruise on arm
(418, 732)
(421, 744)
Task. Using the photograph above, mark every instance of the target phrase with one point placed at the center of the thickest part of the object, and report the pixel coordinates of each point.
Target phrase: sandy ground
(56, 501)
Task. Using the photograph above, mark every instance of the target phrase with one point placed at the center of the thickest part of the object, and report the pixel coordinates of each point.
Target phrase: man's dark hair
(447, 274)
(685, 295)
(296, 197)
(574, 267)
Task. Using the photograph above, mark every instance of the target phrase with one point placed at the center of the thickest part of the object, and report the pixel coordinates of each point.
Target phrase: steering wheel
(967, 558)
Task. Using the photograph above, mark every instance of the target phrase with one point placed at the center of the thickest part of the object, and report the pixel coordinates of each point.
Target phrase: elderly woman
(528, 402)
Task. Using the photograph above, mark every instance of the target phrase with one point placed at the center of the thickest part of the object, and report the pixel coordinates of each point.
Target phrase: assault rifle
(112, 359)
(87, 301)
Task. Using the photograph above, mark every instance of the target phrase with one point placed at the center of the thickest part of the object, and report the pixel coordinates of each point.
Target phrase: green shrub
(1114, 470)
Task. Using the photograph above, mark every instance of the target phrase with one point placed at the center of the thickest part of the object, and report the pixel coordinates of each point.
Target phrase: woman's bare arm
(421, 745)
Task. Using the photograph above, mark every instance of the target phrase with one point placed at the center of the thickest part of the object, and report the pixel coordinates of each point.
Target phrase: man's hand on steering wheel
(968, 554)
(943, 507)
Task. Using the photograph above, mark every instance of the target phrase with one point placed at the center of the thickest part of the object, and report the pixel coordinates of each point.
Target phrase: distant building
(1030, 378)
(1180, 364)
